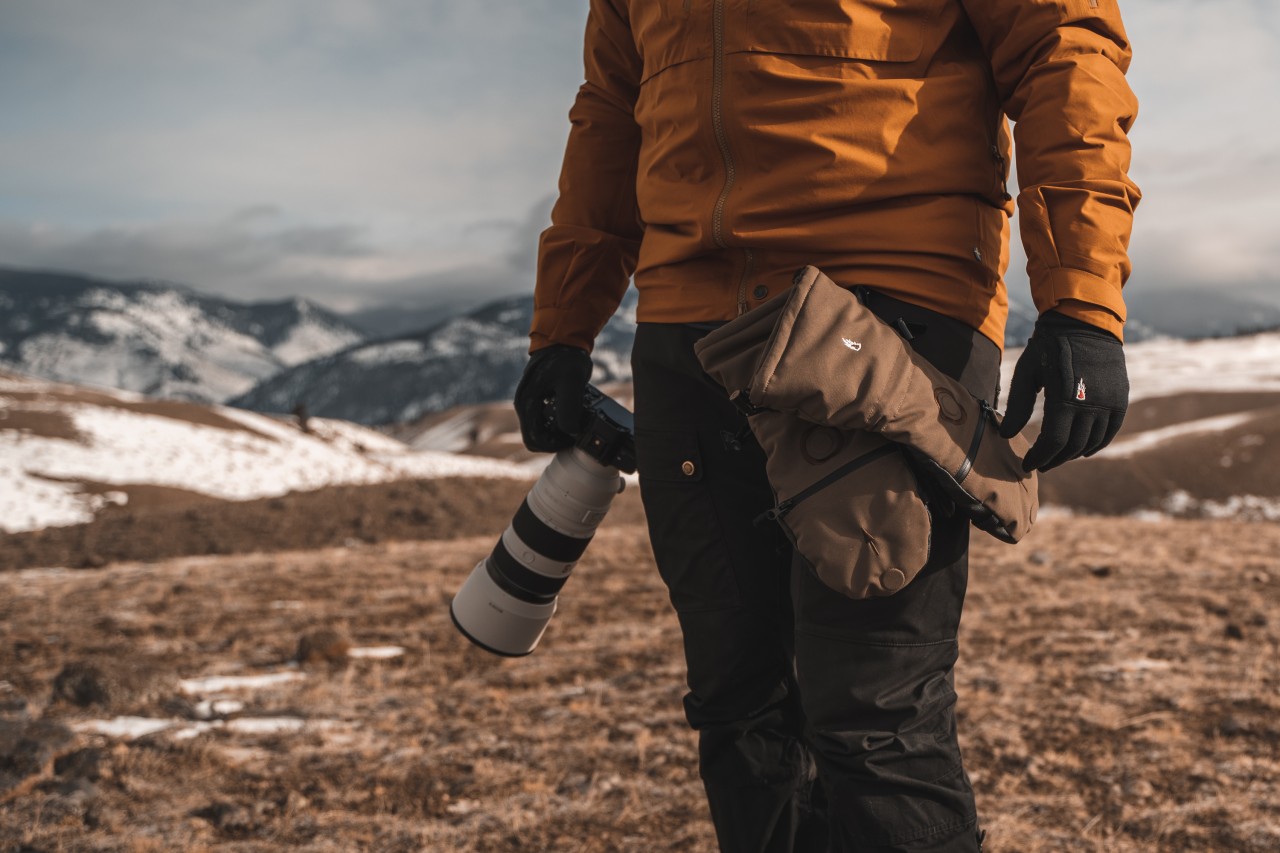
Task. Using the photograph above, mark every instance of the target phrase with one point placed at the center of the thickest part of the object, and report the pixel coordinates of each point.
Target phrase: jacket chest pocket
(874, 30)
(669, 32)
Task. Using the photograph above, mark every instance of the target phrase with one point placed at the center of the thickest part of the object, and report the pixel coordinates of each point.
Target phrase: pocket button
(688, 468)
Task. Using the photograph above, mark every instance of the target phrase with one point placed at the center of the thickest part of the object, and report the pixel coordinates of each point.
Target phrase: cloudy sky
(359, 150)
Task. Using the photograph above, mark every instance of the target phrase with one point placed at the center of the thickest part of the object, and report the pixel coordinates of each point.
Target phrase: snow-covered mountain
(158, 339)
(473, 358)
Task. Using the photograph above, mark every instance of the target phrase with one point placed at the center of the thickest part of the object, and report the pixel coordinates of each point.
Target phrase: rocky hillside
(473, 358)
(157, 339)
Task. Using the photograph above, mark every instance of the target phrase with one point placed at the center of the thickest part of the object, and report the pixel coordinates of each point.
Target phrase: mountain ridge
(158, 338)
(472, 358)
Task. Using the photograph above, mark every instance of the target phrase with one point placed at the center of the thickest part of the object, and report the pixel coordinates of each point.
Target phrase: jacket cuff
(1083, 296)
(564, 333)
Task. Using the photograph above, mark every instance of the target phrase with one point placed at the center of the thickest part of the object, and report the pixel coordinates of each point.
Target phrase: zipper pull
(773, 514)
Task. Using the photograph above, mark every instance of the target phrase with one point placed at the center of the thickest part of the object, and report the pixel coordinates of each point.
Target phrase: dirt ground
(162, 522)
(1119, 690)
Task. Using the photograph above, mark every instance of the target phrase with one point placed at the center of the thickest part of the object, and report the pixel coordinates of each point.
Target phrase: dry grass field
(1119, 690)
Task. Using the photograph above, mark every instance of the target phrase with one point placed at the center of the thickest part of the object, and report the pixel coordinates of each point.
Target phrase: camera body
(510, 596)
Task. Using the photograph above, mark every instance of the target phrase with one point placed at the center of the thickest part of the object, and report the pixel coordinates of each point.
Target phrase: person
(717, 146)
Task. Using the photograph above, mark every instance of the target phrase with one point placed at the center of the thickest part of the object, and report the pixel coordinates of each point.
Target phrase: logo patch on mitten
(853, 345)
(1080, 390)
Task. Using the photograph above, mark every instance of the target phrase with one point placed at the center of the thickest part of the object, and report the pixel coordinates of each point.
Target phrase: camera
(507, 601)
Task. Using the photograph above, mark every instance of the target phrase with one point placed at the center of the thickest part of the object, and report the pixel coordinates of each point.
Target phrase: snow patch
(39, 475)
(1151, 439)
(224, 683)
(450, 435)
(265, 725)
(1164, 367)
(1181, 504)
(210, 708)
(131, 728)
(124, 727)
(377, 652)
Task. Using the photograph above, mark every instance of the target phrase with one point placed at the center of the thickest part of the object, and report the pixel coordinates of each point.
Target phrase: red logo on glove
(1080, 390)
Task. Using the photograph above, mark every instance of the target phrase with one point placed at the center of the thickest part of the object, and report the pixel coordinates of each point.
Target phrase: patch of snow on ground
(121, 447)
(264, 725)
(209, 708)
(451, 434)
(124, 727)
(29, 503)
(1169, 366)
(135, 727)
(224, 683)
(426, 463)
(1166, 366)
(377, 652)
(1180, 504)
(353, 436)
(1150, 439)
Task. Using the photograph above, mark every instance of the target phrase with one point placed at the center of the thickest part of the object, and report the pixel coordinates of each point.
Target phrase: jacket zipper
(748, 267)
(717, 122)
(722, 139)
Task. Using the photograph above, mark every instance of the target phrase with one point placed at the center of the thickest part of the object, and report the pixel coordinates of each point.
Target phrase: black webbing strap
(978, 432)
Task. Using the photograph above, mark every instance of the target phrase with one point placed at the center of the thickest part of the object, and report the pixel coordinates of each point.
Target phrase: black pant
(824, 723)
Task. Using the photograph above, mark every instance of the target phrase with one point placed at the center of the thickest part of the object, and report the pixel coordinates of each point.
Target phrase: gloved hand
(1086, 390)
(556, 374)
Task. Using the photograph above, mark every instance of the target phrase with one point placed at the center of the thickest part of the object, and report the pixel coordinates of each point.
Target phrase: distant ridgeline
(169, 341)
(472, 358)
(159, 339)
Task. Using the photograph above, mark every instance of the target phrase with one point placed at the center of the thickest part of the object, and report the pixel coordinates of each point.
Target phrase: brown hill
(1221, 470)
(164, 523)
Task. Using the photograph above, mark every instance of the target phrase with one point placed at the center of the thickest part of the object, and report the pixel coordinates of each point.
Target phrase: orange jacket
(719, 145)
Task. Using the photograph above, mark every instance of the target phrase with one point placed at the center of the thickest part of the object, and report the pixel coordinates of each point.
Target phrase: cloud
(260, 253)
(410, 145)
(1206, 141)
(252, 254)
(410, 118)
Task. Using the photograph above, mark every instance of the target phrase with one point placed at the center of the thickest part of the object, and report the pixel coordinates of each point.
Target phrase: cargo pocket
(684, 527)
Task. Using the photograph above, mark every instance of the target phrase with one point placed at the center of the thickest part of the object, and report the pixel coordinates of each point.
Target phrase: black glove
(1086, 390)
(555, 375)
